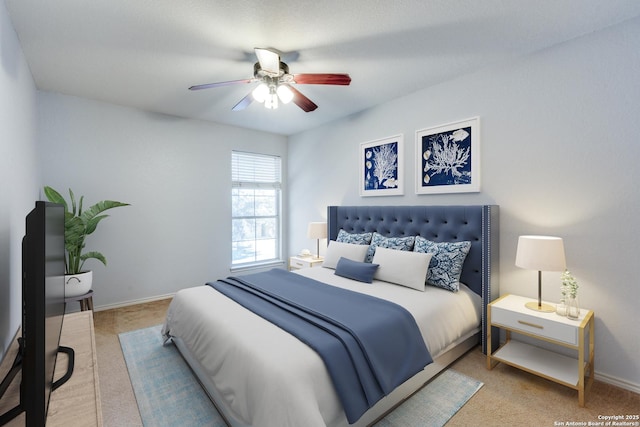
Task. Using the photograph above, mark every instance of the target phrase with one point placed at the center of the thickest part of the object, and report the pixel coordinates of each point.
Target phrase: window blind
(250, 170)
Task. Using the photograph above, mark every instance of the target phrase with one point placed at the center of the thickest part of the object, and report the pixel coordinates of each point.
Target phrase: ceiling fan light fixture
(285, 94)
(271, 102)
(261, 92)
(273, 78)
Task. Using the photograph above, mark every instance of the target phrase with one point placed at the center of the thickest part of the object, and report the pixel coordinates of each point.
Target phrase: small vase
(573, 310)
(561, 308)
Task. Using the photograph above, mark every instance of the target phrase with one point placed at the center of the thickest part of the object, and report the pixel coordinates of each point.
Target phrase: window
(255, 208)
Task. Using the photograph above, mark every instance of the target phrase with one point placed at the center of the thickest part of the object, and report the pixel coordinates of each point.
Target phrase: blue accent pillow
(354, 238)
(398, 243)
(446, 263)
(360, 271)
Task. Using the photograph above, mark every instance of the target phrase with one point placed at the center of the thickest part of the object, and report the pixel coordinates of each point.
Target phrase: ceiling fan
(275, 83)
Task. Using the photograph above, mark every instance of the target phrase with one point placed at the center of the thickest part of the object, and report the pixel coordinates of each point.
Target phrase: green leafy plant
(569, 286)
(78, 224)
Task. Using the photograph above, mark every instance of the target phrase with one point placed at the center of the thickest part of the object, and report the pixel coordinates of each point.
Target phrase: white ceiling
(146, 53)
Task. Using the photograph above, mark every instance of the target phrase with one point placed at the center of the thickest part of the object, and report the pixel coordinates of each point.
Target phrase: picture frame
(381, 167)
(448, 158)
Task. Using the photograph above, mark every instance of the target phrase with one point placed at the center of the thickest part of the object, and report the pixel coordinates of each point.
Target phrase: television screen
(54, 269)
(43, 305)
(43, 266)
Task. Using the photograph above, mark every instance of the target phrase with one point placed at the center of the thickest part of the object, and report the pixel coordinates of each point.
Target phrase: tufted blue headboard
(477, 224)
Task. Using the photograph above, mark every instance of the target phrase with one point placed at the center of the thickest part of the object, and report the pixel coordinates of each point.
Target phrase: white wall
(19, 177)
(175, 173)
(559, 142)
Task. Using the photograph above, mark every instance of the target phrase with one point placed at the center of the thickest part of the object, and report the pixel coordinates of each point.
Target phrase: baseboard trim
(618, 382)
(132, 302)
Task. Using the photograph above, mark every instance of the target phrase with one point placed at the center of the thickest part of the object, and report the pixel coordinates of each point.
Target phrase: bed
(258, 374)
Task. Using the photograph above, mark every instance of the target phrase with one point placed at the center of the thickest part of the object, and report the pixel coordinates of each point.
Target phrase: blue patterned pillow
(354, 238)
(446, 263)
(398, 243)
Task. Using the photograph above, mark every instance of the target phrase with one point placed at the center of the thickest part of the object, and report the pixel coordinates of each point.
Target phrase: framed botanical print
(381, 167)
(448, 158)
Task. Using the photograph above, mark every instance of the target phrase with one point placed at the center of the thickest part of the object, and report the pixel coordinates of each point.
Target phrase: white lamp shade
(542, 253)
(284, 93)
(317, 230)
(261, 92)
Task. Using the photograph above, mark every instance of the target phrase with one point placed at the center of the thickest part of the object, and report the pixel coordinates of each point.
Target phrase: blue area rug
(168, 394)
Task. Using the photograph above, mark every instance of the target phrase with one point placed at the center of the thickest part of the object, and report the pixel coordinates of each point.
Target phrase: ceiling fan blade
(210, 85)
(302, 101)
(243, 103)
(322, 79)
(269, 61)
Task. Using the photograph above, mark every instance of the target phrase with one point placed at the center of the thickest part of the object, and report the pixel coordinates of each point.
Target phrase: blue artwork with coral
(446, 158)
(381, 167)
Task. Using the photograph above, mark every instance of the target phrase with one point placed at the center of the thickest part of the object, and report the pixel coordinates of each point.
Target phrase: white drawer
(535, 325)
(296, 263)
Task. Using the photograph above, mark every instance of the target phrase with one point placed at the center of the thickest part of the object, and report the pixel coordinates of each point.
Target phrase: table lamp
(317, 230)
(542, 253)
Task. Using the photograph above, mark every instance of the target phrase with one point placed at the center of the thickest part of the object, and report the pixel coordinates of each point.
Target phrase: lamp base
(544, 308)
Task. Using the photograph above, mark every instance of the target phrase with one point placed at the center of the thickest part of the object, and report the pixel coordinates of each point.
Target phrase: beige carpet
(509, 397)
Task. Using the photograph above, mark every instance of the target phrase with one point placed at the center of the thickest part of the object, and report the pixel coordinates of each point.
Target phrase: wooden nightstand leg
(585, 378)
(581, 368)
(490, 365)
(591, 365)
(583, 384)
(592, 344)
(489, 339)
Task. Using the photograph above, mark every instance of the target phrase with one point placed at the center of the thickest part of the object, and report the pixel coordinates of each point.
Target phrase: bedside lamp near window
(317, 230)
(542, 253)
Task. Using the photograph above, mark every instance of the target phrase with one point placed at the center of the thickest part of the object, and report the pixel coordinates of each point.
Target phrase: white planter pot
(77, 284)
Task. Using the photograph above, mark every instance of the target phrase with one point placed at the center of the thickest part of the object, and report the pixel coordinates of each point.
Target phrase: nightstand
(509, 313)
(298, 262)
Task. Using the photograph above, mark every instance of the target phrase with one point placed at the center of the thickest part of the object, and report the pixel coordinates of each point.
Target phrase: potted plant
(78, 224)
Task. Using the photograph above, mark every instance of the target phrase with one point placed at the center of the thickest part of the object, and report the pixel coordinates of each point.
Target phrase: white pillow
(336, 250)
(402, 267)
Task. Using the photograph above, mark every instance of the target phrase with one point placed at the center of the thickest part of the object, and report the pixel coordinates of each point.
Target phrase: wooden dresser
(77, 402)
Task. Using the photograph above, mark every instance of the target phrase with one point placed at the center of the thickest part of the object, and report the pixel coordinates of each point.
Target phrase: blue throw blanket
(369, 345)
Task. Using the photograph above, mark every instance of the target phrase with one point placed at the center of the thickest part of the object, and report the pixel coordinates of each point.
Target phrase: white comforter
(269, 378)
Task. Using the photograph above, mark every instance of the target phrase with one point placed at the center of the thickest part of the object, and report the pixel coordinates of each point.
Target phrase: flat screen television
(43, 306)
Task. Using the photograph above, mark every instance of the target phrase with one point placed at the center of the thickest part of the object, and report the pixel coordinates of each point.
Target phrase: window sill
(255, 266)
